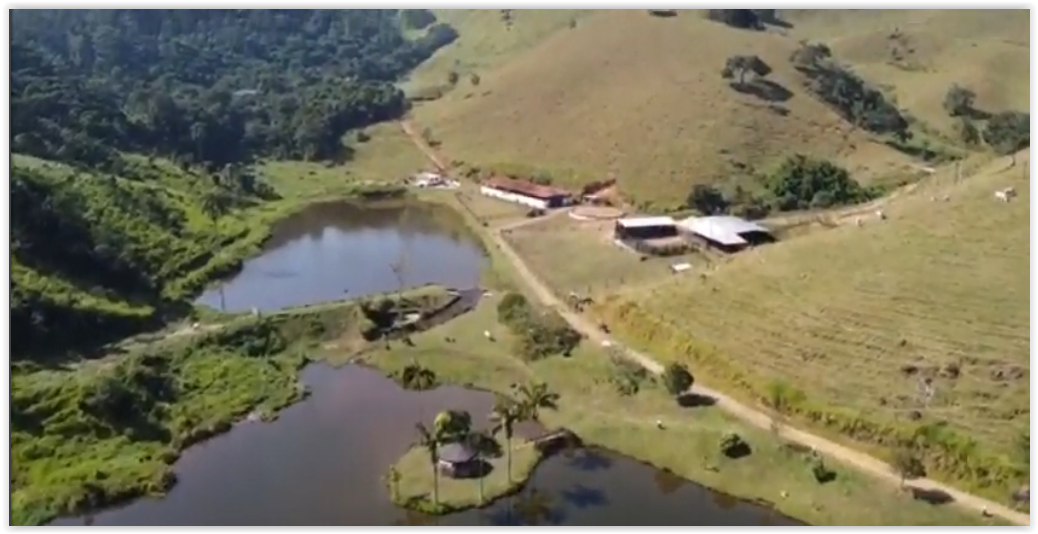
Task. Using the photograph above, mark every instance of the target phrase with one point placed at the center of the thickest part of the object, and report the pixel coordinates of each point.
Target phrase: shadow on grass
(766, 90)
(935, 497)
(695, 400)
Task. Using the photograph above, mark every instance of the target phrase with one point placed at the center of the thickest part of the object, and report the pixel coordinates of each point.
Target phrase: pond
(323, 461)
(337, 250)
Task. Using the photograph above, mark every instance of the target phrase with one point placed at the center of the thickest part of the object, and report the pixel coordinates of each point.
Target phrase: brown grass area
(840, 313)
(619, 93)
(985, 50)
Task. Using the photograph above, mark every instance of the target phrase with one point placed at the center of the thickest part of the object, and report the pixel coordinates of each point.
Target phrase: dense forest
(109, 238)
(206, 86)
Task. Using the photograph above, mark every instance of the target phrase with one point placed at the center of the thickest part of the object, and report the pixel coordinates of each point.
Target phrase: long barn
(525, 193)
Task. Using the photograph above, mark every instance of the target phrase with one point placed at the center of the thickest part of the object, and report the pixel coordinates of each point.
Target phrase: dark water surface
(336, 250)
(322, 463)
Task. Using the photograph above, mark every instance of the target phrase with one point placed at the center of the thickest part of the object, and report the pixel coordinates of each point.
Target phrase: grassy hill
(852, 320)
(642, 96)
(918, 54)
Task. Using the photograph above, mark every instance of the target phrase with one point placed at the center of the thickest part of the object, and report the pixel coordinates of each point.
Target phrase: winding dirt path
(409, 128)
(857, 459)
(846, 455)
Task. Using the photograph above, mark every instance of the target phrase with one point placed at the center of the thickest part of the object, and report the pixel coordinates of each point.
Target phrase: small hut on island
(459, 460)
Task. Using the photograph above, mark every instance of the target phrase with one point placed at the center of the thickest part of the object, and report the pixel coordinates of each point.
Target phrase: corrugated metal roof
(646, 222)
(724, 229)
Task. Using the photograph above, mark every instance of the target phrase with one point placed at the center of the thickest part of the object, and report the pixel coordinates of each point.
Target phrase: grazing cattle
(881, 215)
(488, 335)
(1002, 196)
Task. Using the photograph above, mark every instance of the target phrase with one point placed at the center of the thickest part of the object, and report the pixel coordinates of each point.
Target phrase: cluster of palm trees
(456, 426)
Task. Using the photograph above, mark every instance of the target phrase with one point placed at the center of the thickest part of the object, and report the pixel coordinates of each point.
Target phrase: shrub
(733, 446)
(745, 19)
(545, 335)
(628, 377)
(677, 379)
(820, 471)
(802, 182)
(958, 101)
(908, 465)
(538, 334)
(1008, 131)
(513, 310)
(707, 199)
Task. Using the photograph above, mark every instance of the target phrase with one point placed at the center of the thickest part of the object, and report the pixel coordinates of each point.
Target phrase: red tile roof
(524, 188)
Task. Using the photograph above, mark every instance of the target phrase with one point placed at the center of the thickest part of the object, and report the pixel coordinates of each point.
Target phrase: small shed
(726, 232)
(640, 228)
(458, 460)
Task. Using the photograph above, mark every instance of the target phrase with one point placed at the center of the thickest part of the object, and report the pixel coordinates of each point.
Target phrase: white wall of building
(513, 197)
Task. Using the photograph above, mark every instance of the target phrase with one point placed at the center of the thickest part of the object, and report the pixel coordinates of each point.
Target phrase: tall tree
(504, 416)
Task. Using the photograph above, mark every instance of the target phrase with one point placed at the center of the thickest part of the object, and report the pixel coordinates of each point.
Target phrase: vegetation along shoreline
(884, 154)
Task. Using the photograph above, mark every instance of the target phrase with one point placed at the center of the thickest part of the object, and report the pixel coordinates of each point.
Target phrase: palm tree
(483, 443)
(535, 396)
(505, 415)
(430, 441)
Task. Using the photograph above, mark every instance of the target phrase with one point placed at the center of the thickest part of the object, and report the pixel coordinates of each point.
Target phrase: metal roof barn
(723, 229)
(646, 222)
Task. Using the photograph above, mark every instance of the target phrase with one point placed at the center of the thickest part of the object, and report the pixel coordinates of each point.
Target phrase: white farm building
(726, 232)
(526, 193)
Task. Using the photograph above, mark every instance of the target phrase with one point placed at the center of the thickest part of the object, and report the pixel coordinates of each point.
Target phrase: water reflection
(332, 249)
(586, 459)
(323, 462)
(581, 496)
(531, 507)
(667, 482)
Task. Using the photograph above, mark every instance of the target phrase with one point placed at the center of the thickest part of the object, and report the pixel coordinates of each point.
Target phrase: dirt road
(846, 455)
(753, 416)
(411, 130)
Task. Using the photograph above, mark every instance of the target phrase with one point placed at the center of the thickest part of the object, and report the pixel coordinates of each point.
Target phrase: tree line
(206, 86)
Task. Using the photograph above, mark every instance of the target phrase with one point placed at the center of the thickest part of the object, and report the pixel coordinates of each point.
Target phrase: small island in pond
(454, 466)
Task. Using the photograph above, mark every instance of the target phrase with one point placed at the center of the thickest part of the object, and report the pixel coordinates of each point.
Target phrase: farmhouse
(525, 193)
(727, 233)
(645, 228)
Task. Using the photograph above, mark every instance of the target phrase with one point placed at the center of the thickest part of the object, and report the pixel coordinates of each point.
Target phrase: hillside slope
(96, 256)
(643, 96)
(919, 54)
(856, 319)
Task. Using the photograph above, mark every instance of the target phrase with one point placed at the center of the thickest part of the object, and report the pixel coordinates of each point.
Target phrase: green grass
(414, 488)
(591, 407)
(99, 431)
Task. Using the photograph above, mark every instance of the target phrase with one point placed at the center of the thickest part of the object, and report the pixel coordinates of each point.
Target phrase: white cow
(1002, 196)
(881, 215)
